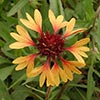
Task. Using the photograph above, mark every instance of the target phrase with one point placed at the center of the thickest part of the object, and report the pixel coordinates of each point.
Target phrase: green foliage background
(15, 85)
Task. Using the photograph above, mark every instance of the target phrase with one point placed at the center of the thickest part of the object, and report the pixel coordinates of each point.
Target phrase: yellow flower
(51, 46)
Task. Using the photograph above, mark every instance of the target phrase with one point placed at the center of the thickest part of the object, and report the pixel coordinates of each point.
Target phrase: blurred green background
(15, 85)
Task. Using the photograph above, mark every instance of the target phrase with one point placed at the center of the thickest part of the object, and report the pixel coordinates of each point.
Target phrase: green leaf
(4, 60)
(96, 35)
(88, 9)
(4, 32)
(64, 97)
(5, 72)
(22, 92)
(4, 95)
(97, 73)
(56, 6)
(19, 79)
(17, 7)
(90, 81)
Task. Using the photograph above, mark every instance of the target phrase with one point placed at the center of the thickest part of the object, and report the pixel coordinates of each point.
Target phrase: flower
(52, 47)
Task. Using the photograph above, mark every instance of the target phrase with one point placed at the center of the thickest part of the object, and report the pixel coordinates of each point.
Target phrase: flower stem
(62, 90)
(47, 93)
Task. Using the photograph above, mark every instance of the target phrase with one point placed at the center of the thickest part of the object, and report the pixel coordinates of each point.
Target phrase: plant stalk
(62, 90)
(48, 93)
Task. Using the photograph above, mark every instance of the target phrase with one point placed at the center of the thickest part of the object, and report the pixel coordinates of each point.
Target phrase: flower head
(52, 47)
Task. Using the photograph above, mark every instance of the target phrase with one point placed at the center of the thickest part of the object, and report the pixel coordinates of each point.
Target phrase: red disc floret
(50, 45)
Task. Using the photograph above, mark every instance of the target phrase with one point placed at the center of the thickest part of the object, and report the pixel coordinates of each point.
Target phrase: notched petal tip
(36, 11)
(50, 11)
(73, 19)
(18, 26)
(87, 39)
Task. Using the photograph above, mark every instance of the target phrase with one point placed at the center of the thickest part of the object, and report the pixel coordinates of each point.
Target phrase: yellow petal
(21, 66)
(59, 20)
(70, 25)
(50, 79)
(52, 20)
(63, 24)
(78, 57)
(52, 17)
(35, 72)
(83, 48)
(82, 42)
(62, 75)
(30, 18)
(19, 45)
(30, 67)
(56, 78)
(16, 36)
(82, 54)
(74, 69)
(19, 60)
(68, 73)
(42, 79)
(30, 25)
(77, 31)
(38, 18)
(77, 64)
(22, 32)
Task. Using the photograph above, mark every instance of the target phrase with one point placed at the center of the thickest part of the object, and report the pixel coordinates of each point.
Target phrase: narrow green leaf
(81, 94)
(97, 33)
(88, 9)
(4, 95)
(4, 60)
(56, 6)
(36, 90)
(90, 81)
(5, 72)
(4, 32)
(22, 92)
(16, 82)
(97, 73)
(17, 7)
(83, 86)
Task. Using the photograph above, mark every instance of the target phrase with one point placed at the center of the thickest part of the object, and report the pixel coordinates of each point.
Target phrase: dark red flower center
(50, 45)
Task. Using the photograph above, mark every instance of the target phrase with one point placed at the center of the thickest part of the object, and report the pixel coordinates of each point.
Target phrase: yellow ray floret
(58, 22)
(45, 74)
(70, 26)
(25, 61)
(78, 49)
(58, 73)
(23, 39)
(70, 67)
(36, 24)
